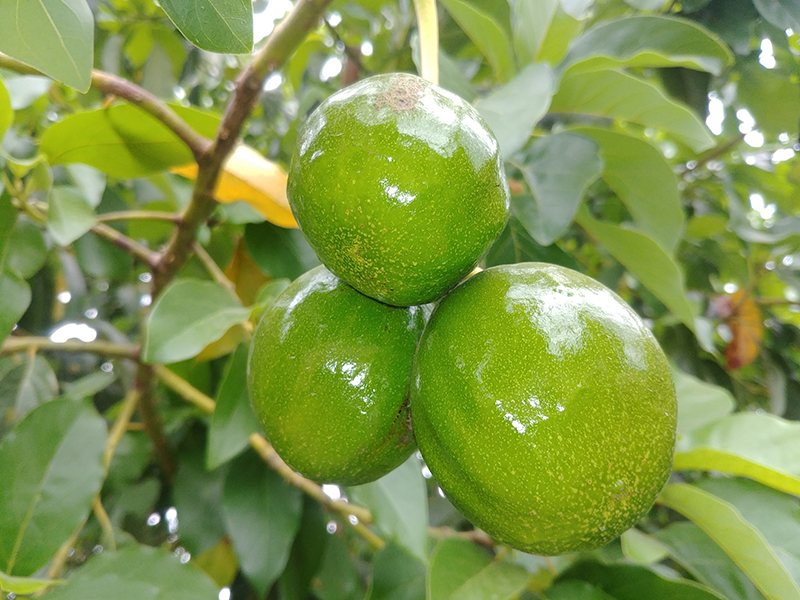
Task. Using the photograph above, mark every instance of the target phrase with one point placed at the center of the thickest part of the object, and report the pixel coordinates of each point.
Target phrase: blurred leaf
(89, 385)
(697, 553)
(488, 35)
(233, 420)
(6, 113)
(26, 250)
(759, 446)
(542, 30)
(263, 515)
(699, 402)
(646, 261)
(24, 387)
(122, 141)
(23, 586)
(396, 575)
(398, 502)
(307, 553)
(51, 468)
(647, 41)
(14, 301)
(642, 549)
(630, 582)
(576, 590)
(744, 319)
(338, 579)
(245, 274)
(513, 110)
(251, 178)
(224, 26)
(188, 316)
(24, 90)
(90, 181)
(271, 291)
(784, 14)
(136, 573)
(558, 169)
(771, 97)
(745, 544)
(133, 455)
(100, 258)
(54, 36)
(641, 177)
(279, 252)
(219, 563)
(646, 4)
(618, 95)
(69, 216)
(460, 570)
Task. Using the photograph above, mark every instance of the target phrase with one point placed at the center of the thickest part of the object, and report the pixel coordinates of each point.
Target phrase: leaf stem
(105, 523)
(21, 343)
(213, 268)
(428, 26)
(139, 215)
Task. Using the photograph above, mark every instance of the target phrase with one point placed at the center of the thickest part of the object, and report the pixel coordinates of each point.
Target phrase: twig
(715, 152)
(130, 246)
(120, 425)
(139, 215)
(105, 523)
(110, 349)
(213, 268)
(352, 53)
(264, 449)
(152, 423)
(116, 86)
(475, 535)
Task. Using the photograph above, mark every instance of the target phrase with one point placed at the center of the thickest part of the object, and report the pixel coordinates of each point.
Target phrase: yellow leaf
(219, 563)
(251, 178)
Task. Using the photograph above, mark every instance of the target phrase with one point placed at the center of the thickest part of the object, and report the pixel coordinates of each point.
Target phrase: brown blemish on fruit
(401, 96)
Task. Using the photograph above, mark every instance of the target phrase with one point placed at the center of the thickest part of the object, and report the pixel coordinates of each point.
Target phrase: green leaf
(462, 570)
(54, 36)
(745, 544)
(396, 575)
(51, 468)
(513, 110)
(640, 548)
(558, 168)
(630, 582)
(14, 301)
(233, 420)
(26, 250)
(69, 216)
(24, 585)
(188, 316)
(262, 512)
(763, 447)
(224, 26)
(91, 182)
(486, 33)
(697, 553)
(136, 573)
(26, 89)
(618, 95)
(6, 112)
(645, 4)
(338, 579)
(771, 97)
(646, 261)
(644, 181)
(89, 385)
(784, 14)
(122, 141)
(398, 503)
(24, 387)
(576, 590)
(542, 30)
(699, 402)
(279, 252)
(308, 552)
(647, 41)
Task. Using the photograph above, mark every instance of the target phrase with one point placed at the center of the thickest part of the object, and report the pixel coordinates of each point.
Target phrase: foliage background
(649, 144)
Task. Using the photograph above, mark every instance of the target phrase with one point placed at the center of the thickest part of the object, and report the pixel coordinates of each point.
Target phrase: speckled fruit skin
(544, 407)
(329, 376)
(399, 187)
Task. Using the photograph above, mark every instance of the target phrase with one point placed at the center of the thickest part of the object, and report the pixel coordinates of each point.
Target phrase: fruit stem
(428, 26)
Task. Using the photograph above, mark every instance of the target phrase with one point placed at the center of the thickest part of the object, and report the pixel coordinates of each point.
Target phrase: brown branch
(475, 535)
(152, 423)
(139, 215)
(22, 343)
(130, 246)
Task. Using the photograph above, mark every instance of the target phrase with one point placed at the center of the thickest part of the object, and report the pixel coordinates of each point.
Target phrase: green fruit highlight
(329, 376)
(399, 187)
(544, 407)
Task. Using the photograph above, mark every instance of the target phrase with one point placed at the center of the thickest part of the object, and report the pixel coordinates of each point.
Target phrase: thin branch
(139, 215)
(715, 152)
(475, 535)
(116, 86)
(213, 268)
(145, 375)
(130, 246)
(105, 523)
(120, 425)
(264, 449)
(352, 53)
(21, 343)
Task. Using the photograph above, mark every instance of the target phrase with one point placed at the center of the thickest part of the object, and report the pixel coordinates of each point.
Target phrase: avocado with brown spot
(544, 407)
(421, 165)
(329, 377)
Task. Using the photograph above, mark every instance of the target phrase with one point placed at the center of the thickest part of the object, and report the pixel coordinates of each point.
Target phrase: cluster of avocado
(539, 400)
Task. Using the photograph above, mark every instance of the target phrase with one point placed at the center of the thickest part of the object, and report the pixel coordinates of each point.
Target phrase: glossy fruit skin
(399, 187)
(544, 407)
(329, 376)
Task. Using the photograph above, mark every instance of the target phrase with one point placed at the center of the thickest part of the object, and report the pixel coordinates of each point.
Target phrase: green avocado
(399, 187)
(544, 407)
(329, 376)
